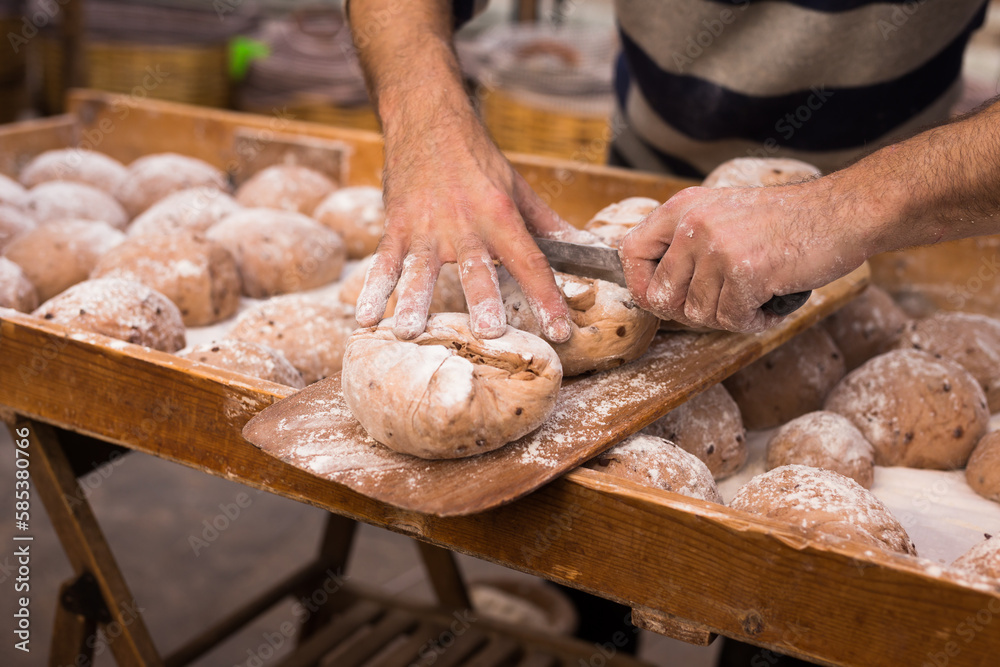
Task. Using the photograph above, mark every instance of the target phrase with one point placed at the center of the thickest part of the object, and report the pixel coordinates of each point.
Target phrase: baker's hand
(712, 257)
(451, 196)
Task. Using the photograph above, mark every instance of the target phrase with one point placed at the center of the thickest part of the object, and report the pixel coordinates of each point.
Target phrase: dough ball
(788, 382)
(916, 410)
(77, 165)
(287, 187)
(983, 469)
(757, 171)
(824, 440)
(60, 254)
(358, 215)
(652, 461)
(198, 275)
(253, 359)
(982, 559)
(16, 291)
(11, 192)
(863, 327)
(825, 504)
(153, 177)
(614, 221)
(971, 340)
(13, 223)
(609, 330)
(121, 309)
(62, 200)
(709, 426)
(448, 296)
(280, 251)
(446, 394)
(310, 332)
(194, 209)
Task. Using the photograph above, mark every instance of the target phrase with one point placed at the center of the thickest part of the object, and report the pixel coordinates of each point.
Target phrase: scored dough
(242, 356)
(357, 214)
(825, 440)
(865, 325)
(983, 469)
(447, 394)
(614, 221)
(287, 187)
(16, 291)
(193, 209)
(448, 296)
(759, 171)
(62, 200)
(153, 177)
(75, 164)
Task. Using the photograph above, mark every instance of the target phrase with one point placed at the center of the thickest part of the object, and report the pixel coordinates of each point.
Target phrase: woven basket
(357, 118)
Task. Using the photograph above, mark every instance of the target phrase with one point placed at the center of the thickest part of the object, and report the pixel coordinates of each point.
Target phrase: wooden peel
(315, 431)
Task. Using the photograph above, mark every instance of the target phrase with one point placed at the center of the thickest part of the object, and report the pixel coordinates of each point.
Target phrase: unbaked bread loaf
(287, 187)
(13, 223)
(63, 200)
(915, 409)
(280, 251)
(971, 340)
(77, 165)
(309, 331)
(446, 394)
(788, 382)
(193, 209)
(982, 559)
(153, 177)
(825, 505)
(59, 254)
(983, 469)
(253, 359)
(609, 329)
(865, 325)
(614, 221)
(652, 461)
(121, 309)
(357, 214)
(16, 291)
(825, 440)
(197, 274)
(11, 192)
(758, 171)
(709, 426)
(448, 296)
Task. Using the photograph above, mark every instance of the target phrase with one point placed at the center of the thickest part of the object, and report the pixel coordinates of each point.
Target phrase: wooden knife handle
(788, 303)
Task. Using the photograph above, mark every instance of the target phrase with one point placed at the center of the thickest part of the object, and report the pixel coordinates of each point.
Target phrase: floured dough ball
(971, 340)
(614, 221)
(16, 291)
(448, 296)
(983, 469)
(652, 461)
(153, 177)
(310, 332)
(446, 394)
(198, 275)
(358, 215)
(253, 359)
(824, 440)
(194, 209)
(757, 171)
(77, 165)
(287, 187)
(825, 505)
(709, 426)
(11, 192)
(13, 223)
(280, 251)
(62, 200)
(916, 410)
(982, 559)
(121, 309)
(60, 254)
(865, 325)
(788, 382)
(609, 330)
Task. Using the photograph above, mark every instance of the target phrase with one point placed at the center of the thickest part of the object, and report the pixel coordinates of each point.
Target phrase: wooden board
(314, 429)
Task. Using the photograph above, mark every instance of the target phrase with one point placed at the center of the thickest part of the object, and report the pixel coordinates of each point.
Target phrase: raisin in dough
(357, 214)
(194, 210)
(153, 177)
(62, 200)
(915, 409)
(825, 505)
(253, 359)
(652, 461)
(614, 221)
(75, 164)
(16, 291)
(758, 171)
(825, 440)
(286, 187)
(709, 426)
(983, 469)
(863, 327)
(446, 394)
(448, 296)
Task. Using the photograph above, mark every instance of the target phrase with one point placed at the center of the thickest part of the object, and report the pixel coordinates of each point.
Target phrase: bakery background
(543, 90)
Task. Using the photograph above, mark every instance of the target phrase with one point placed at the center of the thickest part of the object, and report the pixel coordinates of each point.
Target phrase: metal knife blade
(604, 263)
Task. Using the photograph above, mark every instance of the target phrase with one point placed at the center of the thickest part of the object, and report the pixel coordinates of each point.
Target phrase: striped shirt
(702, 81)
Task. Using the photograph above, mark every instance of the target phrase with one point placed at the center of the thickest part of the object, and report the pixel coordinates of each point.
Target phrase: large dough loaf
(825, 440)
(287, 187)
(242, 356)
(983, 469)
(759, 171)
(12, 193)
(13, 223)
(357, 214)
(54, 201)
(16, 291)
(153, 177)
(863, 327)
(614, 221)
(447, 394)
(982, 559)
(193, 209)
(77, 165)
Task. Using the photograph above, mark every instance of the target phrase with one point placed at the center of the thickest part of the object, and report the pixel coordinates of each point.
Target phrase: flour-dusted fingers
(529, 267)
(482, 289)
(380, 281)
(701, 304)
(416, 289)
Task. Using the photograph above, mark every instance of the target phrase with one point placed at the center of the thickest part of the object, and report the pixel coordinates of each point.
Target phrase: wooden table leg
(73, 627)
(446, 578)
(321, 592)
